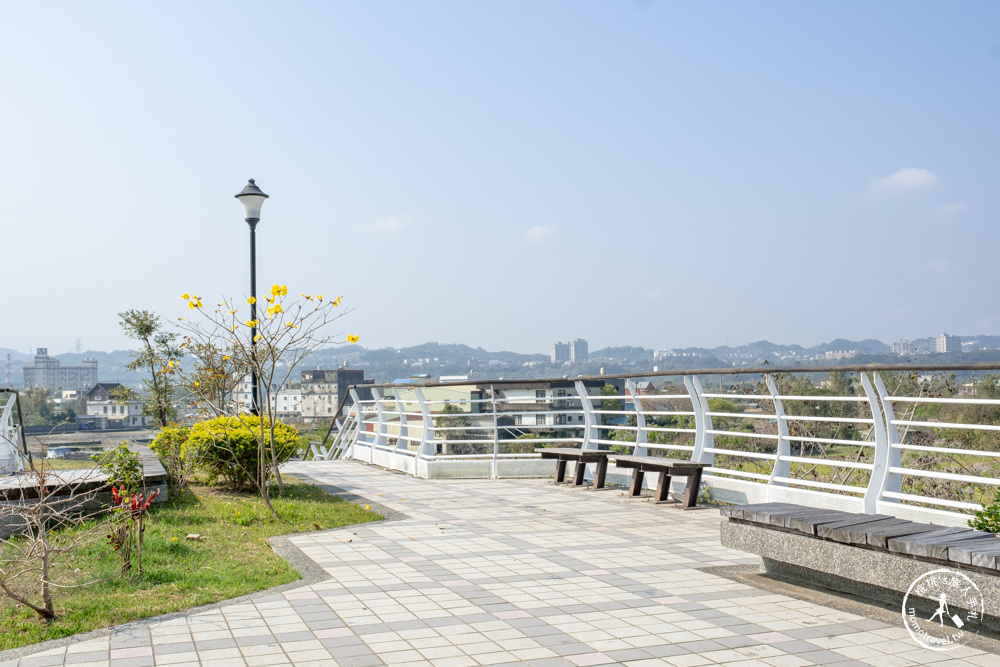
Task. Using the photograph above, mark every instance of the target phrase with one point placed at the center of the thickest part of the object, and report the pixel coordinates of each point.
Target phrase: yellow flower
(319, 296)
(367, 507)
(197, 384)
(185, 296)
(234, 327)
(258, 337)
(170, 364)
(226, 357)
(252, 300)
(232, 312)
(289, 324)
(277, 308)
(191, 305)
(352, 338)
(173, 539)
(336, 302)
(181, 319)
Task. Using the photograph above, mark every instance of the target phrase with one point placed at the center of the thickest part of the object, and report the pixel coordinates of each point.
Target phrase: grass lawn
(233, 558)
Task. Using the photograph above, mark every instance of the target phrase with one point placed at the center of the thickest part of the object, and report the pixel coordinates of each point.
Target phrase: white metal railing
(13, 454)
(839, 451)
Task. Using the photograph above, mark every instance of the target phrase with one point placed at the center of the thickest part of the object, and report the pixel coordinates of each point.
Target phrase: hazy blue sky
(506, 174)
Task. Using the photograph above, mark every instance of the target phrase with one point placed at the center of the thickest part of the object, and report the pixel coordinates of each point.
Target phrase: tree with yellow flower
(227, 343)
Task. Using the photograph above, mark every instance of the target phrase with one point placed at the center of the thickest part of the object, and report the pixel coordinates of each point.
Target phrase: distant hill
(437, 359)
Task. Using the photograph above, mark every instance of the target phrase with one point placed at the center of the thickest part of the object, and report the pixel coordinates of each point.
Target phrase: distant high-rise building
(47, 372)
(903, 346)
(578, 350)
(946, 343)
(560, 352)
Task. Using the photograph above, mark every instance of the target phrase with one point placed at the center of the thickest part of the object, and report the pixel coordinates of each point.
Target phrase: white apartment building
(101, 403)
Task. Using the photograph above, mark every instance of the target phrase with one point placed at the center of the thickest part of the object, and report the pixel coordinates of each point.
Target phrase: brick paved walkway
(516, 572)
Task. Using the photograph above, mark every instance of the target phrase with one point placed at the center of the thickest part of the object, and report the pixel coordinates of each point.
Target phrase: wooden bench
(582, 458)
(667, 469)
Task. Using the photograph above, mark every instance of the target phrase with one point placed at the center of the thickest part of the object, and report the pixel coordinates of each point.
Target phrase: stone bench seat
(941, 544)
(871, 556)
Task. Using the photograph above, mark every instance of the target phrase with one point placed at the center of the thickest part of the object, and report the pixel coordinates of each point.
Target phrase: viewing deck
(476, 572)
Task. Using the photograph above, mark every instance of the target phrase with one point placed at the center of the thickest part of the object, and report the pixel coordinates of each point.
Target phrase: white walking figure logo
(941, 610)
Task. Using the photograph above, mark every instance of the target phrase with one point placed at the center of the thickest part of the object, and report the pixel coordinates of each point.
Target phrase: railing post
(381, 428)
(496, 436)
(886, 456)
(588, 415)
(359, 418)
(640, 419)
(427, 436)
(702, 422)
(782, 467)
(402, 440)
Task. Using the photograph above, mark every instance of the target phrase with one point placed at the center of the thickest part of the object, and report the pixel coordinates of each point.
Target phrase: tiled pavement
(516, 572)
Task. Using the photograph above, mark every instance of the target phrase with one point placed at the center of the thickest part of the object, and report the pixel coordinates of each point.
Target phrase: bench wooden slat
(926, 544)
(879, 536)
(851, 531)
(738, 511)
(808, 524)
(983, 553)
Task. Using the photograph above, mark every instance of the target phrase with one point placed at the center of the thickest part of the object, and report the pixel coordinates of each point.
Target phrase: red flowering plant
(128, 512)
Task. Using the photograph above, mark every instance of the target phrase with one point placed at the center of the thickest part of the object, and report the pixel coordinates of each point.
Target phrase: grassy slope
(233, 558)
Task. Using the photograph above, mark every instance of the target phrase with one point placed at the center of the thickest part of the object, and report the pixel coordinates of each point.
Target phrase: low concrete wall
(83, 491)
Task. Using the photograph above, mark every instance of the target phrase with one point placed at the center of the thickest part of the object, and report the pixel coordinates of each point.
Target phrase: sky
(506, 174)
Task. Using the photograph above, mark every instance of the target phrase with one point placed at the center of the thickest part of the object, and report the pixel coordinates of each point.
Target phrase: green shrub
(228, 450)
(988, 518)
(123, 469)
(169, 447)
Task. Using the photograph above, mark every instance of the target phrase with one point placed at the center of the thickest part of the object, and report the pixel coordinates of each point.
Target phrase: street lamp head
(252, 198)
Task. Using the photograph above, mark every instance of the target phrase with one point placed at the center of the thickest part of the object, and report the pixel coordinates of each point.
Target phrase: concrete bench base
(875, 575)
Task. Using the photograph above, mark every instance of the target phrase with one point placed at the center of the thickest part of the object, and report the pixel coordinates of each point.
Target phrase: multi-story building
(903, 346)
(287, 400)
(946, 343)
(322, 391)
(49, 373)
(838, 355)
(573, 352)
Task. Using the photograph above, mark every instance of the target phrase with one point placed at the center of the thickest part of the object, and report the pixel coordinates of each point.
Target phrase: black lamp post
(252, 198)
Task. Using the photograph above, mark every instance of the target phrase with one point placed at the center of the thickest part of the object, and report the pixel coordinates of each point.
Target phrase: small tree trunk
(274, 461)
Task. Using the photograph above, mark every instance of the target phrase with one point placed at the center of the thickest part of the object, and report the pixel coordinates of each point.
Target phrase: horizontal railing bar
(766, 436)
(976, 427)
(830, 441)
(856, 399)
(946, 450)
(831, 462)
(738, 473)
(845, 420)
(742, 415)
(750, 455)
(745, 397)
(955, 401)
(748, 370)
(821, 485)
(955, 477)
(932, 501)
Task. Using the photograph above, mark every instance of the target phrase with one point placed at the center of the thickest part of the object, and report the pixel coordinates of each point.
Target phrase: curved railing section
(13, 448)
(900, 440)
